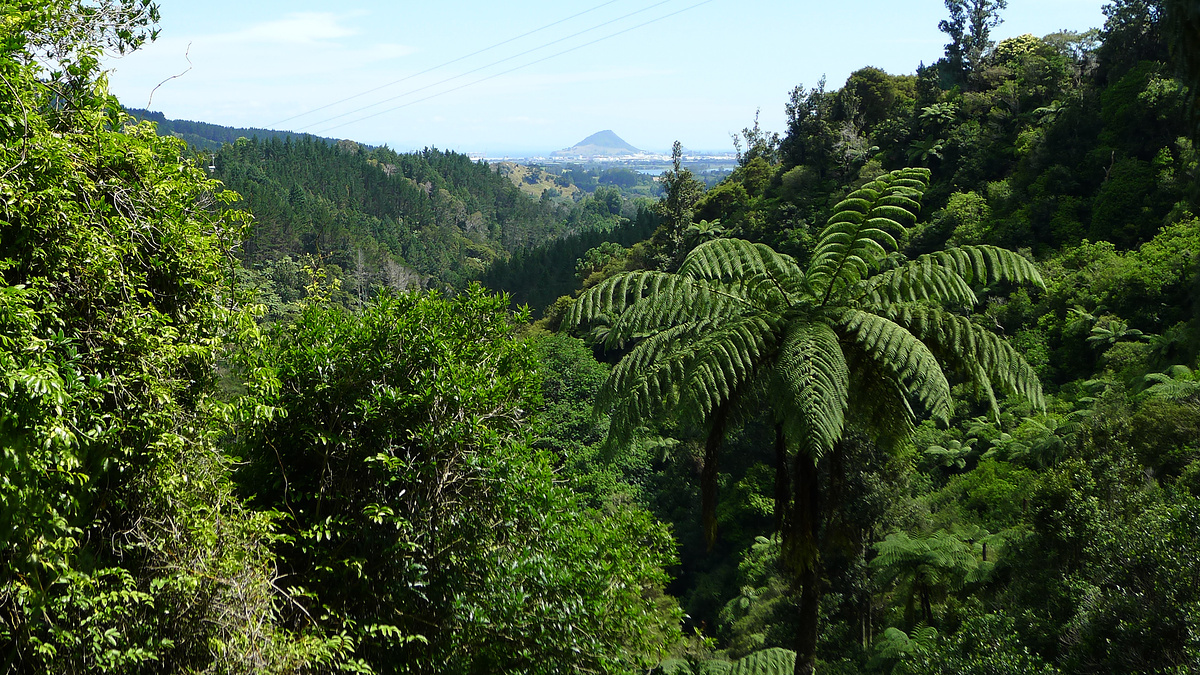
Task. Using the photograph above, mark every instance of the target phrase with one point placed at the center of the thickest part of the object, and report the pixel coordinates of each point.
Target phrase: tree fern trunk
(783, 493)
(926, 605)
(708, 476)
(807, 519)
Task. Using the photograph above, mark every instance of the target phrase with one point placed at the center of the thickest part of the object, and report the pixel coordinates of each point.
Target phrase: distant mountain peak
(601, 143)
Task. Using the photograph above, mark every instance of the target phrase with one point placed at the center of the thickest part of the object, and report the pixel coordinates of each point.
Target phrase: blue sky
(696, 74)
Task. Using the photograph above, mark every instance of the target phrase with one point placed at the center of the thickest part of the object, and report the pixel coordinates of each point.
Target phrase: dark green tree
(676, 209)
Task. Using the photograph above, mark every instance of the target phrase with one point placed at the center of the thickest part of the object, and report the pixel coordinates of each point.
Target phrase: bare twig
(185, 56)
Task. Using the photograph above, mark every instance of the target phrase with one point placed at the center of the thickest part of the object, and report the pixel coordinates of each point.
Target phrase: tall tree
(676, 209)
(969, 26)
(741, 327)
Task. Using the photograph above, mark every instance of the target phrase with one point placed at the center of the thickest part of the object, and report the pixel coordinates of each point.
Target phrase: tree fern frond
(1178, 384)
(978, 353)
(985, 264)
(813, 378)
(903, 357)
(691, 368)
(727, 259)
(646, 380)
(916, 178)
(679, 303)
(917, 280)
(858, 235)
(724, 360)
(613, 295)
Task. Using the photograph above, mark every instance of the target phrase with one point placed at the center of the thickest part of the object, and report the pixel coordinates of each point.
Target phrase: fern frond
(986, 264)
(731, 259)
(679, 303)
(1180, 385)
(645, 382)
(858, 235)
(688, 369)
(977, 352)
(813, 379)
(905, 358)
(722, 361)
(917, 280)
(611, 296)
(916, 178)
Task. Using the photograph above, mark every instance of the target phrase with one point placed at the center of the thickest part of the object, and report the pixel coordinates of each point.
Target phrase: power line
(443, 65)
(506, 72)
(483, 67)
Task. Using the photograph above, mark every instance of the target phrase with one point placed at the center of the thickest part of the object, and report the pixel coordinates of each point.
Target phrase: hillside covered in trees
(913, 391)
(374, 217)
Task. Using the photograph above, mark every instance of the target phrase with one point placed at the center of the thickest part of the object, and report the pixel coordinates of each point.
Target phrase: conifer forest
(914, 390)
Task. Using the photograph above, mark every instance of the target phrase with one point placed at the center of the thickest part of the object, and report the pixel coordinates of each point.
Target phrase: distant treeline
(205, 136)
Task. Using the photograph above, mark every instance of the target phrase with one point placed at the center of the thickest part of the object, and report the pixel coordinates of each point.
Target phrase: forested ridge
(211, 137)
(914, 390)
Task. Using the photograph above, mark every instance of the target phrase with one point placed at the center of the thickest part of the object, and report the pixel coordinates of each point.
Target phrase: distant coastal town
(607, 150)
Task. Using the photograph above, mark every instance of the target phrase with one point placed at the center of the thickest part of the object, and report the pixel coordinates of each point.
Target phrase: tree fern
(1179, 383)
(841, 342)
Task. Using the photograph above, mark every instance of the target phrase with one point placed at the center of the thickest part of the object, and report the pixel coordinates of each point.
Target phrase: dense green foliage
(435, 213)
(184, 490)
(536, 276)
(240, 433)
(416, 520)
(122, 545)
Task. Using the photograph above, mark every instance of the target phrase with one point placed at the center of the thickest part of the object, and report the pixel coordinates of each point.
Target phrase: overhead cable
(443, 64)
(486, 66)
(506, 72)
